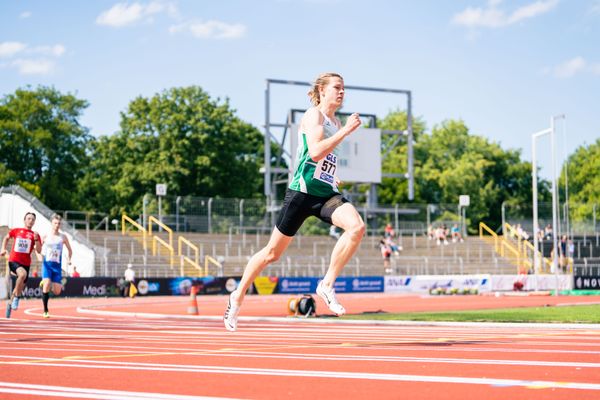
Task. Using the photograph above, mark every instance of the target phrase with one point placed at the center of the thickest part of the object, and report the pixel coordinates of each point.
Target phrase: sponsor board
(586, 282)
(343, 284)
(297, 285)
(347, 284)
(265, 284)
(424, 283)
(397, 284)
(531, 282)
(78, 287)
(204, 285)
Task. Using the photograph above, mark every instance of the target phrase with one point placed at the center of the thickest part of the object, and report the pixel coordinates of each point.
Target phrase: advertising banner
(265, 284)
(586, 282)
(398, 284)
(347, 284)
(297, 285)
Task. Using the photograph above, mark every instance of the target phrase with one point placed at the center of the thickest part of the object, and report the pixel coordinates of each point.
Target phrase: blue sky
(504, 67)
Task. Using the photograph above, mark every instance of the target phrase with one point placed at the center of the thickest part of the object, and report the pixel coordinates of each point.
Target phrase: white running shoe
(15, 303)
(231, 315)
(328, 295)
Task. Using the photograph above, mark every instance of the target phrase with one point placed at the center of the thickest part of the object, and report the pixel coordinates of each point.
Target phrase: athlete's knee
(357, 229)
(56, 290)
(271, 255)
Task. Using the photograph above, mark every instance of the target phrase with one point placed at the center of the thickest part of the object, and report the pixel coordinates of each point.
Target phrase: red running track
(97, 348)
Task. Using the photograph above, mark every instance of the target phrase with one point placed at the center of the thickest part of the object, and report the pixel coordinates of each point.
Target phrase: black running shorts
(298, 206)
(14, 266)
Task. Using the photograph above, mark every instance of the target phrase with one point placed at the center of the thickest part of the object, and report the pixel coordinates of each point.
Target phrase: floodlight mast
(268, 188)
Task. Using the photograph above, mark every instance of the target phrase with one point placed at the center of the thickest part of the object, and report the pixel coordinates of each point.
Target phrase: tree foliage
(450, 162)
(42, 144)
(181, 137)
(583, 180)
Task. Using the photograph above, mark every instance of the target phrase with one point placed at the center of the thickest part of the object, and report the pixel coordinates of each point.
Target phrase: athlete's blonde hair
(321, 81)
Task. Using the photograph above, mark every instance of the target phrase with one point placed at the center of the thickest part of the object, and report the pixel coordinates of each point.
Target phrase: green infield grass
(567, 314)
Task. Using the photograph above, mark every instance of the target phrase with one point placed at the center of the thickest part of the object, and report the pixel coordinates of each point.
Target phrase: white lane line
(232, 353)
(108, 347)
(209, 369)
(63, 391)
(505, 325)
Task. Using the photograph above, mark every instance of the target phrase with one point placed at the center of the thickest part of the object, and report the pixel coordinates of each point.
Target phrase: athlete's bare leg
(277, 245)
(347, 218)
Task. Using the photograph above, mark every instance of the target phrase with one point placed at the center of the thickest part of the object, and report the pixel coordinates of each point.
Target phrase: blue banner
(297, 285)
(348, 284)
(344, 284)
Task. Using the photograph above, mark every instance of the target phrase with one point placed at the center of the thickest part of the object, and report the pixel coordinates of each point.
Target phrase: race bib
(325, 171)
(22, 245)
(53, 255)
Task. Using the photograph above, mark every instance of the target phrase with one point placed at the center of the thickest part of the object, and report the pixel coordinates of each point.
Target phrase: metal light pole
(536, 253)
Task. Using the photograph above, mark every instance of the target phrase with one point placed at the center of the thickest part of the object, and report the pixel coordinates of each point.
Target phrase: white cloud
(9, 49)
(125, 14)
(25, 14)
(56, 51)
(31, 65)
(572, 67)
(211, 29)
(492, 16)
(34, 67)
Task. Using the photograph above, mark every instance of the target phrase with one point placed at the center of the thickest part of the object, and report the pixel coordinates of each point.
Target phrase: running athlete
(312, 191)
(19, 260)
(51, 266)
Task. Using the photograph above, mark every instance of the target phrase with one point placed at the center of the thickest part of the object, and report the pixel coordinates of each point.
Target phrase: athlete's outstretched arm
(68, 246)
(318, 145)
(4, 243)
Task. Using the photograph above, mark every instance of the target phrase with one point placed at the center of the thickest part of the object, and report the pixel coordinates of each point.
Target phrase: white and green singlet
(316, 178)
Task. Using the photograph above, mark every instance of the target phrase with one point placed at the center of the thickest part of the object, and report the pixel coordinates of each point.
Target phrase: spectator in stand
(548, 232)
(456, 235)
(441, 234)
(392, 245)
(386, 253)
(389, 231)
(562, 252)
(75, 274)
(333, 232)
(430, 232)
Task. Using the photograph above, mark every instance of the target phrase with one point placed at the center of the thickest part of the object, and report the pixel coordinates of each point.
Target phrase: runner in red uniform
(24, 241)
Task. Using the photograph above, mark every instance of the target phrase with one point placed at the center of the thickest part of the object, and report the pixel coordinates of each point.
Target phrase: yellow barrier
(125, 219)
(152, 219)
(155, 250)
(185, 259)
(484, 227)
(209, 259)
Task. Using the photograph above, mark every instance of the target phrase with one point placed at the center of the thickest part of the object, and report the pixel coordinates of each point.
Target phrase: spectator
(75, 274)
(393, 246)
(386, 253)
(456, 235)
(430, 232)
(548, 232)
(333, 232)
(441, 234)
(389, 231)
(130, 289)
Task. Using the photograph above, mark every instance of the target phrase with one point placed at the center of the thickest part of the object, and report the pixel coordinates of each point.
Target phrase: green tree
(584, 181)
(451, 162)
(42, 144)
(183, 138)
(395, 190)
